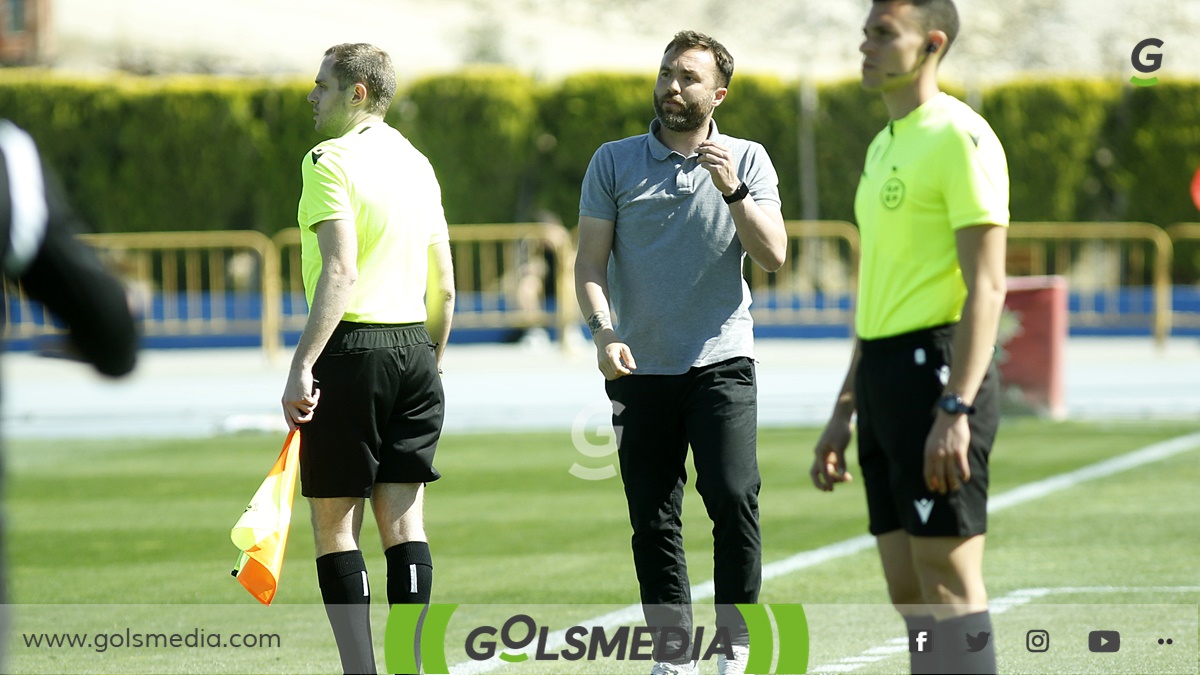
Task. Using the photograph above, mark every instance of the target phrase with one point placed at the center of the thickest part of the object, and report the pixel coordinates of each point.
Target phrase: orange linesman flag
(262, 531)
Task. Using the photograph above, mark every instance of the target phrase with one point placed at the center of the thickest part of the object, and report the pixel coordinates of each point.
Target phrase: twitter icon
(977, 642)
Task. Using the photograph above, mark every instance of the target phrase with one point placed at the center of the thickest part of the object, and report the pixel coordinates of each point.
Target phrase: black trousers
(714, 410)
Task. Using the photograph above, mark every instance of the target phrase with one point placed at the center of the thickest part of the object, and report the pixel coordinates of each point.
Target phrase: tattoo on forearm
(598, 322)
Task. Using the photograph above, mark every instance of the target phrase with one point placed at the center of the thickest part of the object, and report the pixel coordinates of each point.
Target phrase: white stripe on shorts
(412, 578)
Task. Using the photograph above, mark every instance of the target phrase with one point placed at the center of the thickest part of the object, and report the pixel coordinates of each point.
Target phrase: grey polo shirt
(675, 275)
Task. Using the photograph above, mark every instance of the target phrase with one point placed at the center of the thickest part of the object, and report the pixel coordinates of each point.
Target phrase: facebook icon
(920, 641)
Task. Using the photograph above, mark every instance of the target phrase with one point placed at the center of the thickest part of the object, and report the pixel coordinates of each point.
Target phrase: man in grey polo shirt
(665, 224)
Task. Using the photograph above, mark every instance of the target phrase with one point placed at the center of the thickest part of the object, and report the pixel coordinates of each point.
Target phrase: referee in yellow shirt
(932, 211)
(364, 382)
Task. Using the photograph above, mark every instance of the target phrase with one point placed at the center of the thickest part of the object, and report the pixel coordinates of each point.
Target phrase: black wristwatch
(954, 405)
(738, 194)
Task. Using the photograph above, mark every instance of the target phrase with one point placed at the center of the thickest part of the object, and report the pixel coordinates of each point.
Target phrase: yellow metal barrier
(816, 285)
(506, 276)
(521, 276)
(185, 283)
(1105, 263)
(1185, 237)
(1184, 232)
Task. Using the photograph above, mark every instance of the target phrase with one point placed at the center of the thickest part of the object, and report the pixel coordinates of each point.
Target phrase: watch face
(952, 404)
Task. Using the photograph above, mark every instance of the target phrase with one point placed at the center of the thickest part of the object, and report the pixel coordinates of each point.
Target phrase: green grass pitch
(106, 533)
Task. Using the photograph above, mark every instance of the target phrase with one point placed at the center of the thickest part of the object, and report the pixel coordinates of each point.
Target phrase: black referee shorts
(379, 416)
(898, 383)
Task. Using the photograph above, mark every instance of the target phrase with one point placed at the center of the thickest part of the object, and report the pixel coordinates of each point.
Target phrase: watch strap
(954, 404)
(738, 194)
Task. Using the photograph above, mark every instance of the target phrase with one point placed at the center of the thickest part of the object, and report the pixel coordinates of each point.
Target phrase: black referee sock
(410, 579)
(343, 580)
(924, 662)
(409, 573)
(973, 631)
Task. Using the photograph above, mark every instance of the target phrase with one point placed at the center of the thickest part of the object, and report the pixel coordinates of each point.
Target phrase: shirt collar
(361, 127)
(661, 152)
(920, 112)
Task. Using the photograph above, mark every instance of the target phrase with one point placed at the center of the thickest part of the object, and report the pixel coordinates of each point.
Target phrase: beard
(689, 117)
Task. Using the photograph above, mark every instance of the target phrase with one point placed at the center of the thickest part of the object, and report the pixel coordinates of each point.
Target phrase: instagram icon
(1037, 641)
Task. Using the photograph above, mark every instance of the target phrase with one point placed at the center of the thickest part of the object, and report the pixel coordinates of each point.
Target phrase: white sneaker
(736, 666)
(663, 668)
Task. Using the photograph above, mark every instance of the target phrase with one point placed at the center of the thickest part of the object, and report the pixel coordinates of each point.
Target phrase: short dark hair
(690, 39)
(366, 63)
(936, 15)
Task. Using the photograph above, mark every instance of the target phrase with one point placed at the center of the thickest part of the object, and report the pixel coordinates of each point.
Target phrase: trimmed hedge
(578, 116)
(285, 134)
(150, 154)
(206, 153)
(1051, 132)
(477, 129)
(1156, 152)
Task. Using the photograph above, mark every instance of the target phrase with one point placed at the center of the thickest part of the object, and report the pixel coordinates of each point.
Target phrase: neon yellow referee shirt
(937, 170)
(375, 178)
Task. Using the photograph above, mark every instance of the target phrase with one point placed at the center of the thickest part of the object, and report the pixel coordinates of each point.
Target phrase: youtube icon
(1104, 641)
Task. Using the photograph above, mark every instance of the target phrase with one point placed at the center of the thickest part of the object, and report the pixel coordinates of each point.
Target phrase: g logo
(605, 444)
(892, 193)
(1146, 63)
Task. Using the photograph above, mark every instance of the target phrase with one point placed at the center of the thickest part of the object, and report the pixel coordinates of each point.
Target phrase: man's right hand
(829, 461)
(615, 360)
(300, 397)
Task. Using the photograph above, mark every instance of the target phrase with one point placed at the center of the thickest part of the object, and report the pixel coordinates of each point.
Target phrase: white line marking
(804, 560)
(863, 660)
(894, 649)
(1132, 460)
(888, 650)
(1039, 592)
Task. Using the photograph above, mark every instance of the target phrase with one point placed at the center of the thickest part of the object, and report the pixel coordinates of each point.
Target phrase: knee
(333, 540)
(654, 525)
(905, 595)
(402, 533)
(946, 587)
(335, 527)
(654, 513)
(936, 592)
(730, 497)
